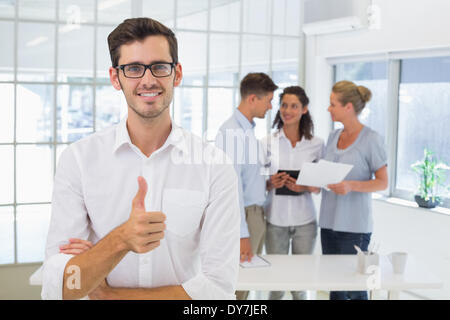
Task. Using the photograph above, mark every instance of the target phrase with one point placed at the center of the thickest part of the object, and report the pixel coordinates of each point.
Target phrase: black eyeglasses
(137, 70)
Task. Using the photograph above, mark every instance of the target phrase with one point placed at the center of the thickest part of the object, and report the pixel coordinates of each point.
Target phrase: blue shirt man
(236, 137)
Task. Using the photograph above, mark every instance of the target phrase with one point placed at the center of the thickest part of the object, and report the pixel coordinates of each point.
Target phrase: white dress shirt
(287, 210)
(193, 183)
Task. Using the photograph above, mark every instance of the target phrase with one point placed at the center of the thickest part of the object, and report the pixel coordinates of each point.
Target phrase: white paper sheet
(256, 262)
(323, 173)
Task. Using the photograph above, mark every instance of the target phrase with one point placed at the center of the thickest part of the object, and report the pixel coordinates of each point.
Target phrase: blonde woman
(346, 209)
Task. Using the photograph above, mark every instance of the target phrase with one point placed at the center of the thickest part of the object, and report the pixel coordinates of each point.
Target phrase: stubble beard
(152, 114)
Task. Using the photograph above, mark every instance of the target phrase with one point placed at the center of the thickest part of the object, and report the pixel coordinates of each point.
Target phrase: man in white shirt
(165, 223)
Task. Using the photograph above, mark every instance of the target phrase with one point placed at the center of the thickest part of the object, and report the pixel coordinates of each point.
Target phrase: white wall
(406, 25)
(422, 233)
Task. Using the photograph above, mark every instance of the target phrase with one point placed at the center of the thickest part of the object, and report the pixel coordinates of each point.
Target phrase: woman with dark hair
(291, 216)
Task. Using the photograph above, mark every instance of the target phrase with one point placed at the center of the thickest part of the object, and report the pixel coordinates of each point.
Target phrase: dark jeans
(336, 242)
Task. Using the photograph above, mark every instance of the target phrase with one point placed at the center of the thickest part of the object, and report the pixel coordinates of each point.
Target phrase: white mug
(398, 260)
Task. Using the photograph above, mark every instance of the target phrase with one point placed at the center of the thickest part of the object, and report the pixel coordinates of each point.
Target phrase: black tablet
(284, 191)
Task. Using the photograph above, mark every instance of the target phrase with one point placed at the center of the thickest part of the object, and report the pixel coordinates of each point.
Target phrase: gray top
(352, 212)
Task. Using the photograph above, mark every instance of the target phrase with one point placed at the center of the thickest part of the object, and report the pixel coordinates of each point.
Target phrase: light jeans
(278, 240)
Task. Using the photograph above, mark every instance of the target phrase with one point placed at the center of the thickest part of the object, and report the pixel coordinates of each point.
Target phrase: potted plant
(431, 175)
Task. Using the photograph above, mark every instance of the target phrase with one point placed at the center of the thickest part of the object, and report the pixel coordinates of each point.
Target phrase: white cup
(398, 260)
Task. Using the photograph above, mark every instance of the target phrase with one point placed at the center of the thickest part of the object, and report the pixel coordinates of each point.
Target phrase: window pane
(424, 115)
(36, 52)
(7, 113)
(224, 60)
(7, 235)
(257, 16)
(103, 57)
(7, 8)
(220, 107)
(74, 112)
(75, 53)
(34, 113)
(113, 11)
(192, 14)
(276, 104)
(372, 75)
(255, 54)
(285, 54)
(75, 12)
(286, 17)
(37, 10)
(7, 175)
(7, 52)
(34, 173)
(225, 15)
(111, 107)
(192, 57)
(162, 13)
(188, 109)
(32, 228)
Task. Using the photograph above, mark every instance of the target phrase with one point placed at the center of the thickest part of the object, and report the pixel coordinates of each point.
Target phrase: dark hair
(138, 29)
(306, 126)
(257, 83)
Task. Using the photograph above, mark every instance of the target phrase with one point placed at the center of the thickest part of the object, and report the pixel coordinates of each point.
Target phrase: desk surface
(322, 272)
(331, 272)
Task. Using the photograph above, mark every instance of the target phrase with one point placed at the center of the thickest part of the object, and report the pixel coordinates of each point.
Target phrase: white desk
(323, 272)
(332, 273)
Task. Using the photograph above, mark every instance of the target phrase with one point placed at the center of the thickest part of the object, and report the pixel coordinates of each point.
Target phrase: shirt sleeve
(377, 154)
(219, 240)
(69, 219)
(321, 149)
(221, 144)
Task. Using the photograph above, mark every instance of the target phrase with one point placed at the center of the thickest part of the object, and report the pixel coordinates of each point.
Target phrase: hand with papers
(341, 188)
(256, 262)
(326, 174)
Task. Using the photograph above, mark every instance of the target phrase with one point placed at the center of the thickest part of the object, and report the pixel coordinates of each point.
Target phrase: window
(55, 87)
(419, 109)
(372, 75)
(424, 116)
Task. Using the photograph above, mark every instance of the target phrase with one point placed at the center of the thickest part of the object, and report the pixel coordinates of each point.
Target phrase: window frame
(97, 80)
(394, 61)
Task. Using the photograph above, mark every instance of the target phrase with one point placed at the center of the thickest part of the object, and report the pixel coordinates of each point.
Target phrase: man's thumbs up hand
(143, 230)
(139, 199)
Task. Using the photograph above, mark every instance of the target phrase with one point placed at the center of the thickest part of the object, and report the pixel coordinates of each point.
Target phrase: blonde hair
(347, 92)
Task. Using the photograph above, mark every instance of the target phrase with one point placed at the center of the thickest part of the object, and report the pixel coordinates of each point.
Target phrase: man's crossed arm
(141, 233)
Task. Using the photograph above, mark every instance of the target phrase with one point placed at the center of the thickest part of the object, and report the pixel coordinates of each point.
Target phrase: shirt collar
(280, 134)
(243, 121)
(122, 136)
(176, 137)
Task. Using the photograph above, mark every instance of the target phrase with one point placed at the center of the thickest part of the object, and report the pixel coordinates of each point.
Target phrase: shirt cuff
(53, 276)
(202, 288)
(244, 232)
